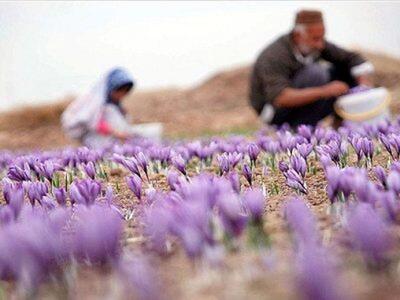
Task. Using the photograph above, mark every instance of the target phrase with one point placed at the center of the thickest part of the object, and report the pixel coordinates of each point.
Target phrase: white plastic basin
(369, 106)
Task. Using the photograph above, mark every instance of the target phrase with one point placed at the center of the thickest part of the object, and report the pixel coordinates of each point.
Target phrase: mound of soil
(219, 104)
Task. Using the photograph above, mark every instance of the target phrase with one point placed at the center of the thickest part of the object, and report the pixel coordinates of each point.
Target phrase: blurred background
(191, 60)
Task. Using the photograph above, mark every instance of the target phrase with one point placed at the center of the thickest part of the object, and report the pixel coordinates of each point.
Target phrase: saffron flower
(298, 163)
(253, 151)
(14, 196)
(234, 179)
(135, 185)
(179, 163)
(84, 191)
(17, 173)
(140, 278)
(316, 276)
(247, 173)
(304, 149)
(295, 181)
(253, 201)
(370, 235)
(61, 195)
(90, 169)
(97, 234)
(231, 214)
(301, 221)
(36, 190)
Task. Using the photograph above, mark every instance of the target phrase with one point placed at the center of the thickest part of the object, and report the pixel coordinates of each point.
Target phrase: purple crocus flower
(369, 234)
(254, 203)
(48, 203)
(305, 131)
(130, 163)
(298, 163)
(234, 158)
(393, 182)
(6, 215)
(36, 190)
(269, 145)
(304, 149)
(190, 223)
(365, 190)
(17, 173)
(61, 195)
(334, 148)
(110, 199)
(390, 205)
(173, 180)
(164, 154)
(325, 160)
(253, 151)
(380, 175)
(367, 147)
(395, 166)
(47, 169)
(84, 191)
(39, 246)
(109, 196)
(156, 222)
(234, 179)
(179, 163)
(140, 278)
(386, 143)
(394, 141)
(295, 181)
(301, 221)
(14, 196)
(287, 140)
(283, 167)
(247, 173)
(319, 134)
(97, 234)
(90, 169)
(143, 162)
(223, 163)
(341, 181)
(135, 185)
(232, 216)
(316, 276)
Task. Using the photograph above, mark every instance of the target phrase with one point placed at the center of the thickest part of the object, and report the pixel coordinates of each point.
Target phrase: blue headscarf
(117, 78)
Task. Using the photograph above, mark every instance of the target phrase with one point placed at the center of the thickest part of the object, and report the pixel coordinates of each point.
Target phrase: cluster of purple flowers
(60, 207)
(294, 174)
(196, 213)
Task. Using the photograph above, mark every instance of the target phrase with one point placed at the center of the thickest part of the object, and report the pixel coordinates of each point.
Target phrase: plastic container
(153, 131)
(364, 106)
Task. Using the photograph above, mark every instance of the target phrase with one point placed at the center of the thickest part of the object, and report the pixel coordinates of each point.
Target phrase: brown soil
(217, 105)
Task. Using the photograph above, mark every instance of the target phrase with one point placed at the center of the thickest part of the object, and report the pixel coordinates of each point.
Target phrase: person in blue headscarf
(97, 119)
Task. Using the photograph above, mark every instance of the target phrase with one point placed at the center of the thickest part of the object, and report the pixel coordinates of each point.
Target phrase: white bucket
(153, 131)
(368, 106)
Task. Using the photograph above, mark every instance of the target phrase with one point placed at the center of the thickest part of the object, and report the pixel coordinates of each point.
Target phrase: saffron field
(306, 214)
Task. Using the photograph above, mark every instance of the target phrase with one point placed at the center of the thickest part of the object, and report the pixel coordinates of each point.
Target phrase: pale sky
(50, 49)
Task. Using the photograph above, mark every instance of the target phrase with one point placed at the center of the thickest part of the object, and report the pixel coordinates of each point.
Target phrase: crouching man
(297, 78)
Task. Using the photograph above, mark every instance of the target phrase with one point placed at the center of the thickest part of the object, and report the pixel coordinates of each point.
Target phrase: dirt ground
(218, 105)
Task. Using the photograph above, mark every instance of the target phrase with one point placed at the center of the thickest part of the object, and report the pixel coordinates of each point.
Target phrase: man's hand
(334, 89)
(291, 97)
